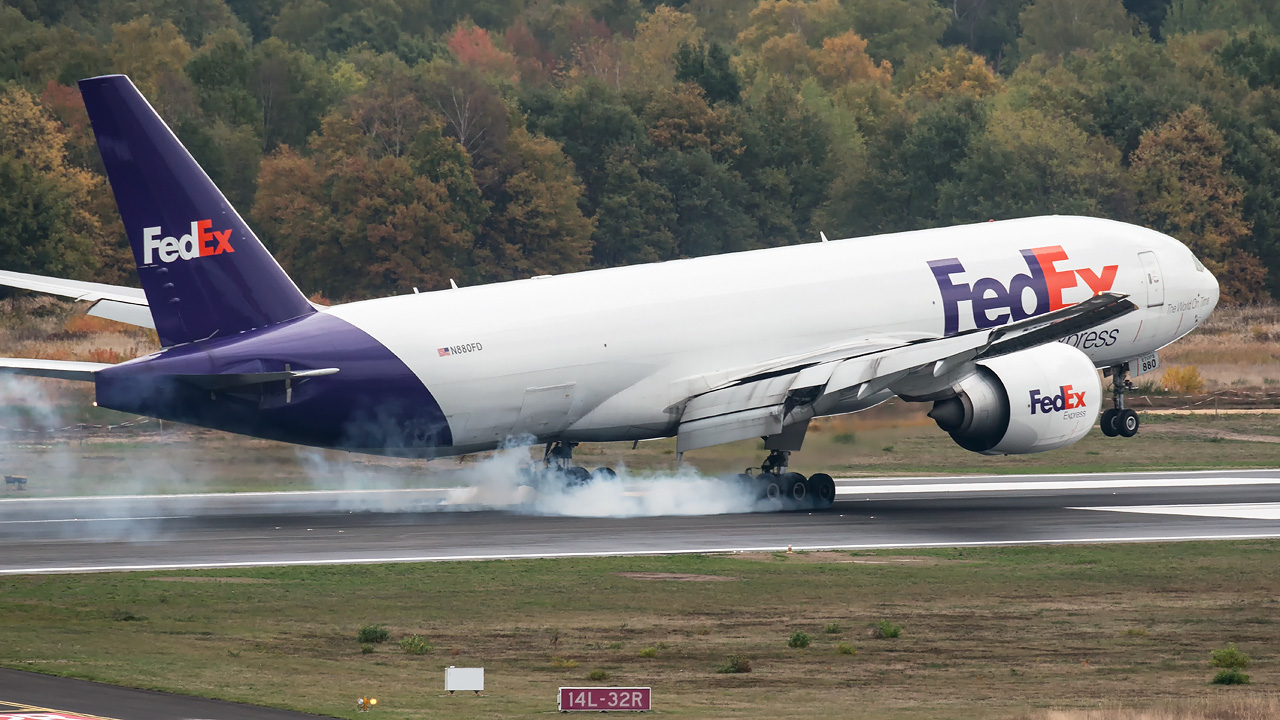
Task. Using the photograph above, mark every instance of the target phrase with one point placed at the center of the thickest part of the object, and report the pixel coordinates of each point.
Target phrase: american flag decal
(444, 352)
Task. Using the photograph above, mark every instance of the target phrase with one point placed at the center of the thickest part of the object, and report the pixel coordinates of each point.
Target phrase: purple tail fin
(202, 268)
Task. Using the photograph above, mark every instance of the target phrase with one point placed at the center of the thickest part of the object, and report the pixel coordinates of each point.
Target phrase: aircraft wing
(113, 302)
(763, 400)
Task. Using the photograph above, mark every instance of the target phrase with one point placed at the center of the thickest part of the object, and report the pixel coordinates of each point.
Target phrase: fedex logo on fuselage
(994, 303)
(200, 242)
(1066, 399)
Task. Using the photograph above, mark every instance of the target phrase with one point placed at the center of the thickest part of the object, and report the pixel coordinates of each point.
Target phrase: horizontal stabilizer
(226, 381)
(60, 369)
(78, 289)
(139, 315)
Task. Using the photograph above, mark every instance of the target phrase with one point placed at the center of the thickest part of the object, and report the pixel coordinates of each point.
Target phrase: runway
(29, 696)
(60, 535)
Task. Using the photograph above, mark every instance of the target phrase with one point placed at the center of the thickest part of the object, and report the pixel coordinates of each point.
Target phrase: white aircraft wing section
(60, 369)
(765, 400)
(113, 302)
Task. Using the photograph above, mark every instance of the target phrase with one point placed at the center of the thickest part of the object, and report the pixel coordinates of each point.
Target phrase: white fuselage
(609, 354)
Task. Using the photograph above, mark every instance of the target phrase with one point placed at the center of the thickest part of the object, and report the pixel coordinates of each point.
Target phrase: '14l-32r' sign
(599, 699)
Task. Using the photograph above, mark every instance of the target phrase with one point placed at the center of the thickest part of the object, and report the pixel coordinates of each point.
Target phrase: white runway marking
(101, 519)
(844, 486)
(624, 553)
(1241, 511)
(920, 488)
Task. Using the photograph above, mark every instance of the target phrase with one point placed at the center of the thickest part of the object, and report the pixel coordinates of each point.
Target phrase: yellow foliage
(148, 52)
(844, 60)
(648, 60)
(961, 72)
(1184, 379)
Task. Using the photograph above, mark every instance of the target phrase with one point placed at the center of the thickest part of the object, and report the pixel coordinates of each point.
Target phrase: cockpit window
(1199, 265)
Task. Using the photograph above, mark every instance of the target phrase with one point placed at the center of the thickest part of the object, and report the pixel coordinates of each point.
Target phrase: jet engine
(1033, 400)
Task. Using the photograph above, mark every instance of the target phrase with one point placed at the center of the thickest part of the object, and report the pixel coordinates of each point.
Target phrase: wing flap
(762, 399)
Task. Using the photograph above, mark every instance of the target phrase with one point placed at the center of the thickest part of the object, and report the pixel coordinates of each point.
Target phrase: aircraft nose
(1209, 288)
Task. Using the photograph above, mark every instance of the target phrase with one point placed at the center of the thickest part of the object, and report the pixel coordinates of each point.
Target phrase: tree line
(382, 145)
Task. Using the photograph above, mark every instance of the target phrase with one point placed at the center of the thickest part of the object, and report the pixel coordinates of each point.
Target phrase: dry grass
(987, 633)
(54, 329)
(1236, 348)
(1225, 706)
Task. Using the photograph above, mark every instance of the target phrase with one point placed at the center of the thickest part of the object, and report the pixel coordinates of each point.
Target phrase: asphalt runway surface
(32, 696)
(58, 535)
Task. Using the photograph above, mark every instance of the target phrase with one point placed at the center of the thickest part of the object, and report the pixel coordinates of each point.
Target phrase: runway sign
(600, 699)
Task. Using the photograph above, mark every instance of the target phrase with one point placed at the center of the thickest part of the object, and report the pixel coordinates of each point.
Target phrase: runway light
(95, 403)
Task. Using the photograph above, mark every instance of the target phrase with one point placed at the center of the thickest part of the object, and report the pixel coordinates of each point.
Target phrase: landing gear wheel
(1124, 422)
(603, 474)
(822, 489)
(1108, 422)
(576, 476)
(795, 487)
(768, 487)
(1127, 423)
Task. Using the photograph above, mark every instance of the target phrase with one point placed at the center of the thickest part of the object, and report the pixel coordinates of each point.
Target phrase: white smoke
(509, 480)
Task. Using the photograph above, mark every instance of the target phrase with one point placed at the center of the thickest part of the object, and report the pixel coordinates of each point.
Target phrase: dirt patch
(833, 556)
(1209, 433)
(228, 580)
(677, 577)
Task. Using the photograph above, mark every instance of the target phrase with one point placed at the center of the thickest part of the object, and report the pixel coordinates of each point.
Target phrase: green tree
(1058, 27)
(710, 69)
(1029, 163)
(293, 91)
(47, 205)
(1184, 191)
(219, 74)
(353, 221)
(535, 226)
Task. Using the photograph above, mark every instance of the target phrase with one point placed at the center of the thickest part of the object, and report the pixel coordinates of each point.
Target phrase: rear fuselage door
(1155, 282)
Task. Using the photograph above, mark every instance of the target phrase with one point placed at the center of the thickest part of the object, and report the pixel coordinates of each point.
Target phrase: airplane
(1002, 326)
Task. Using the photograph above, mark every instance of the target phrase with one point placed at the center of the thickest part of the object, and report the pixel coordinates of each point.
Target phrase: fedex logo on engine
(1066, 399)
(994, 303)
(200, 242)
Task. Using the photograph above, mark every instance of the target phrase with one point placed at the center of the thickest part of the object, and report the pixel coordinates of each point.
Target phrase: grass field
(985, 633)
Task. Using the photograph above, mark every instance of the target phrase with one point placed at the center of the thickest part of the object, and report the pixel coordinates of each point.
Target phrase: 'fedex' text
(993, 303)
(1066, 399)
(200, 242)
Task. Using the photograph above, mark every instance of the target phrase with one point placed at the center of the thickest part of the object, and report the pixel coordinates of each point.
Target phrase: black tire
(576, 476)
(1108, 422)
(795, 488)
(822, 490)
(1127, 423)
(604, 474)
(768, 487)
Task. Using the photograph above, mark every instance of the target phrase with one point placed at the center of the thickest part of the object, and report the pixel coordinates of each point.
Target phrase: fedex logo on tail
(994, 303)
(200, 242)
(1066, 399)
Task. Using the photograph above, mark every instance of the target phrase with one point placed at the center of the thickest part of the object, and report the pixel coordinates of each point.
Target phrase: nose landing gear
(1119, 420)
(791, 490)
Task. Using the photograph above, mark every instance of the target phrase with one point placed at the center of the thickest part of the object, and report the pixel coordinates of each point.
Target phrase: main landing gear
(1119, 420)
(791, 490)
(557, 468)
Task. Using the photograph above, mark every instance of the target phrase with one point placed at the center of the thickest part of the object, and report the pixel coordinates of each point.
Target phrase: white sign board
(456, 678)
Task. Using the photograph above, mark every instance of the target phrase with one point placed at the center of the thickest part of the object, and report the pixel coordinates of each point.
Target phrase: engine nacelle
(1029, 401)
